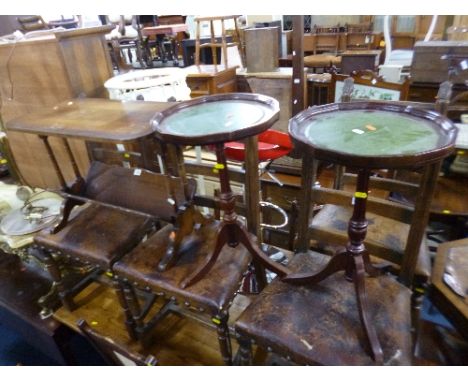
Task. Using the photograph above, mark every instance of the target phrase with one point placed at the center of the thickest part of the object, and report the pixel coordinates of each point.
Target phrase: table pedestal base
(355, 262)
(231, 231)
(355, 267)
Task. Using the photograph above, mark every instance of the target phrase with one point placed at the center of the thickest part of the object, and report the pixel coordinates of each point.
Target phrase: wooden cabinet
(38, 73)
(210, 79)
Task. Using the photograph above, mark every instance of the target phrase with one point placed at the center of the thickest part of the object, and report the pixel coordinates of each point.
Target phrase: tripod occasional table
(365, 136)
(214, 120)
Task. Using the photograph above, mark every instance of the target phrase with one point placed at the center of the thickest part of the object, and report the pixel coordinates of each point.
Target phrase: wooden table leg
(231, 231)
(354, 261)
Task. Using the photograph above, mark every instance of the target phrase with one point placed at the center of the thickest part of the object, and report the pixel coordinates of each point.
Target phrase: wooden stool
(213, 44)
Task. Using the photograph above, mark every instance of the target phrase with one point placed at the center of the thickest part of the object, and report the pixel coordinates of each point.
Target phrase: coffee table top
(373, 135)
(216, 118)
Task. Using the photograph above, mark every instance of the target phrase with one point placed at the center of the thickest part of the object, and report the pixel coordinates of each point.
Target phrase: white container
(159, 85)
(390, 73)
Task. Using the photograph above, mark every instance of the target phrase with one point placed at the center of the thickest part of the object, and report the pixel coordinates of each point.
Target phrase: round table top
(216, 119)
(373, 135)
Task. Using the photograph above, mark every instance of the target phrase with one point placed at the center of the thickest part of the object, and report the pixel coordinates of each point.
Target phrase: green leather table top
(214, 118)
(372, 133)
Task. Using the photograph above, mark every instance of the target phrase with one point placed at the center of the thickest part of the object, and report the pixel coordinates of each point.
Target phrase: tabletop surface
(95, 119)
(218, 119)
(372, 133)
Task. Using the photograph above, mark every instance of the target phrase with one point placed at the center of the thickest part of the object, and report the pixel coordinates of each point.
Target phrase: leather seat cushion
(385, 238)
(98, 234)
(319, 324)
(213, 292)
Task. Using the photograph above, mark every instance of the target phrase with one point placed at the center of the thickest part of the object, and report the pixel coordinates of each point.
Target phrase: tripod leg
(337, 263)
(371, 269)
(361, 296)
(222, 238)
(243, 237)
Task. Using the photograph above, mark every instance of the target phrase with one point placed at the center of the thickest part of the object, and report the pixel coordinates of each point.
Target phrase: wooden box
(210, 79)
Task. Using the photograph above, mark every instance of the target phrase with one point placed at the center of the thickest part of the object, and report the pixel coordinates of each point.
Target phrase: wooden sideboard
(41, 72)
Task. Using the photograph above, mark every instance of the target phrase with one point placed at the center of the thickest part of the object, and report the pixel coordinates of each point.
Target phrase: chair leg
(130, 323)
(223, 337)
(245, 351)
(133, 310)
(45, 256)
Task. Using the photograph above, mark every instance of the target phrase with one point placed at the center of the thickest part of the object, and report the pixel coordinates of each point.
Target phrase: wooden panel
(31, 75)
(87, 79)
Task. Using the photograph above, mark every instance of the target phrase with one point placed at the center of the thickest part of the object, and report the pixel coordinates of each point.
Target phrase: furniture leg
(52, 268)
(245, 351)
(130, 323)
(133, 307)
(224, 338)
(354, 261)
(221, 239)
(227, 231)
(369, 329)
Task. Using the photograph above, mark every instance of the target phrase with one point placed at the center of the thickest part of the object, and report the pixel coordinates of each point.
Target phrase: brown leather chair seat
(320, 324)
(213, 293)
(98, 235)
(384, 236)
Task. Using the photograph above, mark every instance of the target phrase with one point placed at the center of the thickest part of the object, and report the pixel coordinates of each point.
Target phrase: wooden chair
(213, 44)
(326, 39)
(127, 46)
(32, 23)
(122, 205)
(207, 301)
(112, 352)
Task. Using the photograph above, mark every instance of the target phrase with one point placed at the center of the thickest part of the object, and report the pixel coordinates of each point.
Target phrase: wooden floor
(176, 340)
